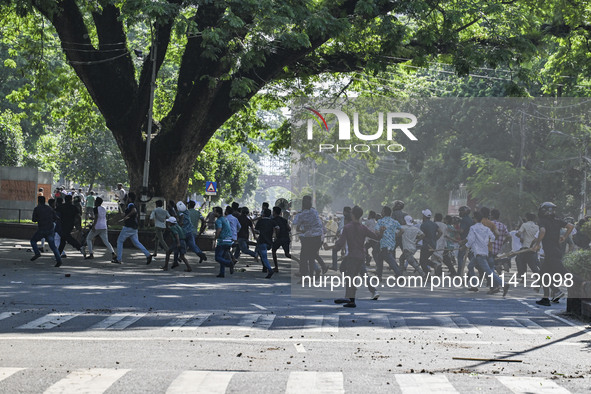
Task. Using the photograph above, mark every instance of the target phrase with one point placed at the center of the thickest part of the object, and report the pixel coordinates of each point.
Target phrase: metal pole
(584, 183)
(314, 186)
(153, 54)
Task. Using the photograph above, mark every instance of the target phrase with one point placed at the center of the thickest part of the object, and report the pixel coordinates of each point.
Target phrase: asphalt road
(92, 327)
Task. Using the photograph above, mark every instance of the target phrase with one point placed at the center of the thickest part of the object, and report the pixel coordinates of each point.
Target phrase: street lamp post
(146, 176)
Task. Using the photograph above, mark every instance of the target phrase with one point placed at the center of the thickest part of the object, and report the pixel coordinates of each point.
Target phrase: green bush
(579, 263)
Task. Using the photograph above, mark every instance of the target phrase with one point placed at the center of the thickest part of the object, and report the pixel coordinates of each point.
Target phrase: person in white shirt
(478, 239)
(528, 235)
(410, 236)
(159, 216)
(99, 228)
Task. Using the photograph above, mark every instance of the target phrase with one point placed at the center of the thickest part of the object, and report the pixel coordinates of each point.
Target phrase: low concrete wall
(146, 237)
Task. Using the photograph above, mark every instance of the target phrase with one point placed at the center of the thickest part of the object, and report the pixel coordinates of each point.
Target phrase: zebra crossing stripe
(449, 325)
(197, 382)
(256, 321)
(527, 385)
(322, 323)
(533, 326)
(315, 383)
(424, 383)
(381, 320)
(87, 381)
(6, 372)
(457, 325)
(6, 315)
(109, 321)
(126, 321)
(524, 326)
(187, 321)
(313, 323)
(49, 321)
(465, 325)
(398, 323)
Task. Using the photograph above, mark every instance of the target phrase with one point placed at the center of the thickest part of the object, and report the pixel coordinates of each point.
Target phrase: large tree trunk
(205, 96)
(169, 172)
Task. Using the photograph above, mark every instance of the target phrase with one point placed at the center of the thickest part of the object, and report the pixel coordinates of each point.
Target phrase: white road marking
(299, 348)
(315, 383)
(109, 321)
(450, 326)
(187, 321)
(529, 385)
(6, 315)
(525, 326)
(325, 323)
(49, 321)
(197, 321)
(424, 383)
(87, 381)
(226, 339)
(399, 323)
(313, 323)
(381, 320)
(259, 307)
(465, 325)
(6, 372)
(551, 312)
(200, 382)
(256, 321)
(126, 321)
(535, 327)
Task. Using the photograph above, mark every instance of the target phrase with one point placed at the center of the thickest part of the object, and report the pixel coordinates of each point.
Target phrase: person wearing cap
(178, 245)
(189, 230)
(129, 230)
(432, 234)
(410, 236)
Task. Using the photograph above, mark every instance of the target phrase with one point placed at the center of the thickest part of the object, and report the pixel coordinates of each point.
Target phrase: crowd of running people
(478, 241)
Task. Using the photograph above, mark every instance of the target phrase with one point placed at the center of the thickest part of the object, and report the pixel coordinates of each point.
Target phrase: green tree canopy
(212, 57)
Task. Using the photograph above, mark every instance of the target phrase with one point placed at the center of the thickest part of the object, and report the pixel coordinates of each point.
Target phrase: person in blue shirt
(189, 230)
(223, 235)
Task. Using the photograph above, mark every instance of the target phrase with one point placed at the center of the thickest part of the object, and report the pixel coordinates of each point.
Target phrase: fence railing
(16, 214)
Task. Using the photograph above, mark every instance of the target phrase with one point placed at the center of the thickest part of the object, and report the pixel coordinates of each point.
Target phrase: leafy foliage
(11, 139)
(578, 263)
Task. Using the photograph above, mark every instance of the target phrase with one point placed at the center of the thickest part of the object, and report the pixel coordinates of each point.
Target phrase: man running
(550, 238)
(354, 234)
(45, 217)
(129, 230)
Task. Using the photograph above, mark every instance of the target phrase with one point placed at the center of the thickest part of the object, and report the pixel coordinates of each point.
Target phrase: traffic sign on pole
(211, 188)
